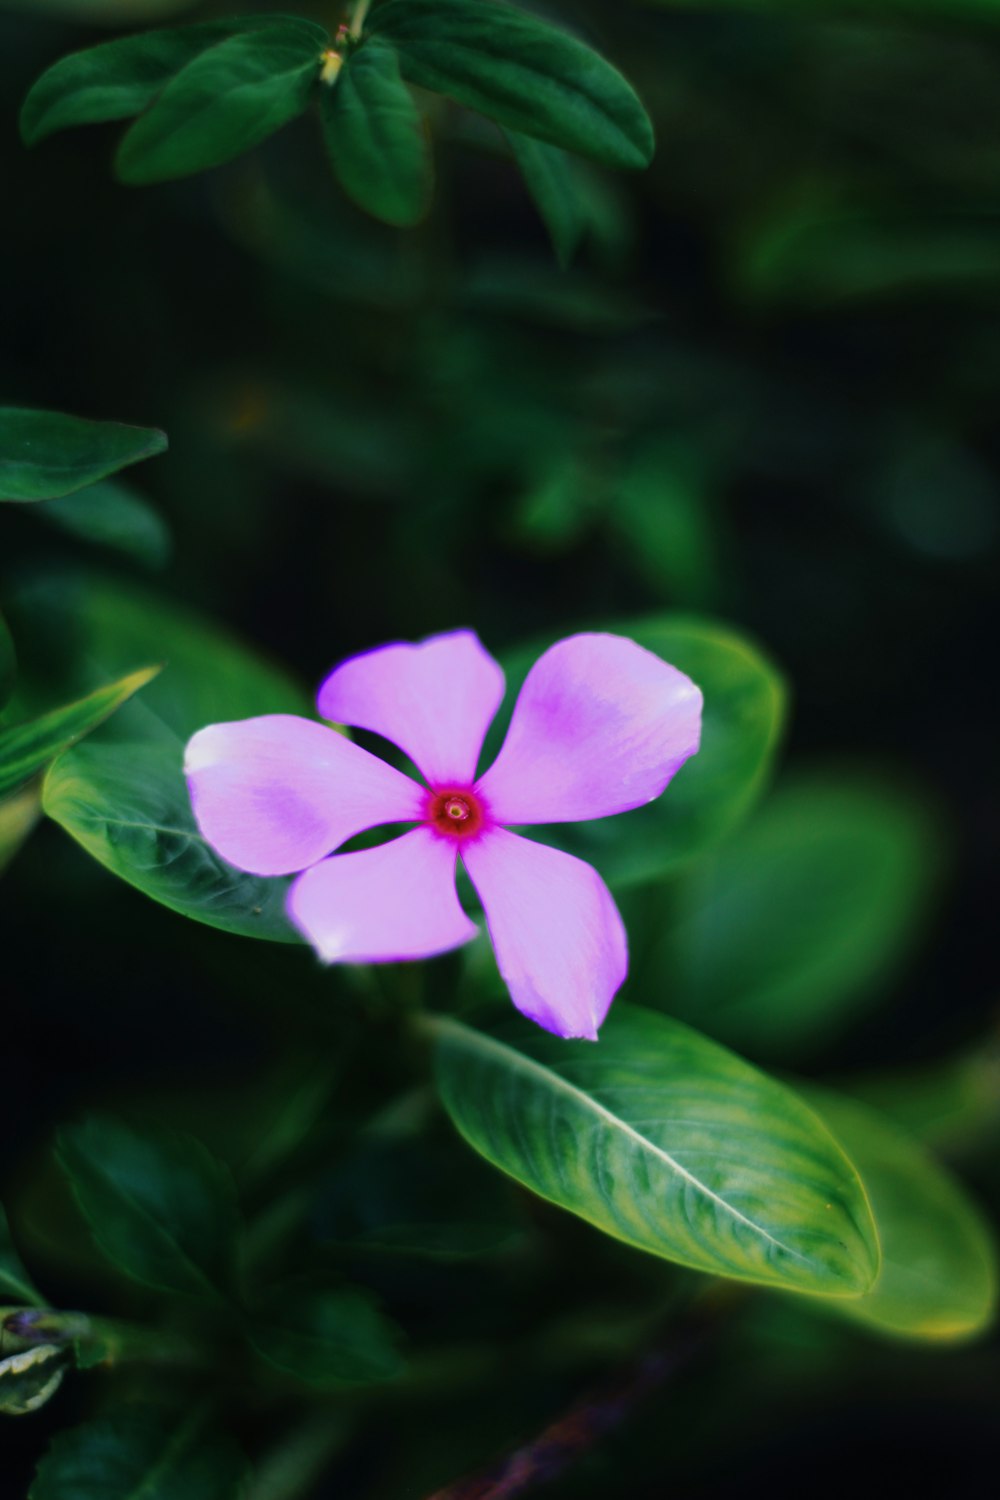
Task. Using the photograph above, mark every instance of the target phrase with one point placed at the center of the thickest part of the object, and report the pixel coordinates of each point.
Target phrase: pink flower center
(455, 812)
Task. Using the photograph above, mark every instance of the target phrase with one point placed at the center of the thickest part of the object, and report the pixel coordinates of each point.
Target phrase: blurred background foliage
(763, 391)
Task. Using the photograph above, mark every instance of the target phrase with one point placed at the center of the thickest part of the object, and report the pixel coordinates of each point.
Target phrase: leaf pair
(206, 93)
(669, 1142)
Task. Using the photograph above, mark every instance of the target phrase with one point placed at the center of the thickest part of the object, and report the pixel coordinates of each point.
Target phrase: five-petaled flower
(600, 726)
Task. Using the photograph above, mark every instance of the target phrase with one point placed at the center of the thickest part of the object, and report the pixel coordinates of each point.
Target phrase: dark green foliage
(160, 1455)
(44, 454)
(520, 72)
(158, 1205)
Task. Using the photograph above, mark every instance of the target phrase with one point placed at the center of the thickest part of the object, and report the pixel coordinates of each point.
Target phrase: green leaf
(159, 1206)
(550, 177)
(143, 1452)
(119, 79)
(30, 1378)
(44, 454)
(327, 1337)
(122, 795)
(112, 515)
(228, 99)
(8, 662)
(18, 816)
(376, 140)
(939, 1262)
(782, 933)
(742, 722)
(667, 1141)
(15, 1282)
(524, 74)
(26, 748)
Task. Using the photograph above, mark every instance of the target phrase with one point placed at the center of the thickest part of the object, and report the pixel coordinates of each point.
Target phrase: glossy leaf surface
(44, 454)
(520, 72)
(665, 1140)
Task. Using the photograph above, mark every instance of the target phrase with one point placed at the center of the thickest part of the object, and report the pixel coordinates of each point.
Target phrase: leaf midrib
(530, 1065)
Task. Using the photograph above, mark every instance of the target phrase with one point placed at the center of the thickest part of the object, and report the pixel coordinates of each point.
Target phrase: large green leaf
(228, 99)
(111, 515)
(122, 794)
(44, 454)
(327, 1337)
(121, 78)
(521, 72)
(26, 748)
(15, 1283)
(783, 932)
(159, 1206)
(141, 1452)
(743, 718)
(939, 1262)
(377, 143)
(8, 662)
(668, 1142)
(18, 816)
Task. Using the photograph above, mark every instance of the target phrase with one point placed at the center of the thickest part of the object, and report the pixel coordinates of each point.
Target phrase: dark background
(801, 301)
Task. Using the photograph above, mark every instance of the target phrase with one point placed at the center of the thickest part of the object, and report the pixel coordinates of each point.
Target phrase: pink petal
(435, 700)
(381, 905)
(558, 938)
(273, 795)
(600, 726)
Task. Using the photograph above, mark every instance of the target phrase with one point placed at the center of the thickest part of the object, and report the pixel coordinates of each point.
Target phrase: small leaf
(8, 662)
(782, 933)
(550, 177)
(521, 72)
(122, 794)
(159, 1206)
(664, 1140)
(939, 1262)
(29, 1379)
(112, 515)
(327, 1337)
(228, 99)
(375, 138)
(14, 1280)
(141, 1451)
(26, 748)
(121, 78)
(44, 454)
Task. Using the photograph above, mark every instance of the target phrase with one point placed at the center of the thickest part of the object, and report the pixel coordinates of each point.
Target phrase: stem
(359, 17)
(296, 1465)
(586, 1422)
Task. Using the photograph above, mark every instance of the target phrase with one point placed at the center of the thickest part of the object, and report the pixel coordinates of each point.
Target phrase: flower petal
(600, 726)
(382, 905)
(434, 700)
(273, 795)
(558, 937)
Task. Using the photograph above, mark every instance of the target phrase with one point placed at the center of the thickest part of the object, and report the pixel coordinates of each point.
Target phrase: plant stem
(586, 1422)
(359, 17)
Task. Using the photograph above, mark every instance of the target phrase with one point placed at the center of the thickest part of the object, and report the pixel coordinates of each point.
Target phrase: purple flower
(600, 726)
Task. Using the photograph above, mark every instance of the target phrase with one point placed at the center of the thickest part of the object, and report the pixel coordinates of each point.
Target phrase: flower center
(455, 812)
